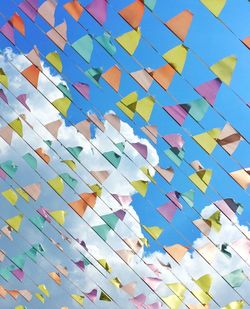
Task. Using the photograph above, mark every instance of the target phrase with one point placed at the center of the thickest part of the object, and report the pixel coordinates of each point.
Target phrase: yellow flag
(3, 78)
(42, 287)
(105, 265)
(130, 40)
(15, 222)
(71, 164)
(207, 140)
(172, 301)
(40, 297)
(201, 179)
(140, 186)
(176, 57)
(238, 304)
(204, 282)
(224, 68)
(55, 60)
(78, 298)
(178, 288)
(57, 184)
(116, 282)
(154, 231)
(62, 105)
(23, 194)
(214, 6)
(59, 216)
(203, 297)
(144, 107)
(128, 104)
(10, 196)
(17, 126)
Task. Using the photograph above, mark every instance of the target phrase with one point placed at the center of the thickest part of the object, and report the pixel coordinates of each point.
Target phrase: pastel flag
(105, 41)
(144, 107)
(58, 216)
(207, 140)
(178, 288)
(242, 177)
(4, 80)
(172, 301)
(235, 278)
(78, 298)
(123, 200)
(6, 133)
(22, 98)
(130, 40)
(229, 139)
(53, 127)
(176, 57)
(154, 231)
(17, 22)
(203, 297)
(128, 104)
(180, 24)
(3, 96)
(102, 230)
(204, 282)
(83, 127)
(209, 90)
(176, 251)
(129, 288)
(55, 59)
(142, 149)
(105, 265)
(40, 297)
(42, 287)
(224, 69)
(32, 74)
(174, 197)
(174, 140)
(15, 222)
(70, 181)
(92, 295)
(167, 173)
(98, 9)
(47, 11)
(9, 168)
(143, 78)
(105, 297)
(19, 260)
(139, 301)
(83, 89)
(153, 282)
(57, 184)
(133, 13)
(168, 211)
(125, 255)
(11, 196)
(177, 113)
(156, 305)
(201, 179)
(94, 74)
(242, 246)
(43, 155)
(74, 8)
(246, 41)
(116, 282)
(111, 219)
(30, 9)
(113, 77)
(84, 47)
(58, 35)
(198, 109)
(214, 6)
(113, 158)
(150, 4)
(238, 304)
(18, 273)
(17, 126)
(151, 132)
(114, 120)
(163, 75)
(8, 31)
(141, 186)
(62, 105)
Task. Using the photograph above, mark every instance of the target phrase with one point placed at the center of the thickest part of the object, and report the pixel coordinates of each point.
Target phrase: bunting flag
(107, 110)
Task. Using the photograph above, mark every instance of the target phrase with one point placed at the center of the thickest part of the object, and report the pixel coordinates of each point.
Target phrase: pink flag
(22, 99)
(8, 31)
(168, 211)
(209, 90)
(174, 140)
(98, 9)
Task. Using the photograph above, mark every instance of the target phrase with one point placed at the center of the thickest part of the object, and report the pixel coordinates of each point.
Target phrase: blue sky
(211, 41)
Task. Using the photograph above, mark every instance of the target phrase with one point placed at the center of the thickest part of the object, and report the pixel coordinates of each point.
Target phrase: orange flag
(113, 77)
(32, 75)
(133, 13)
